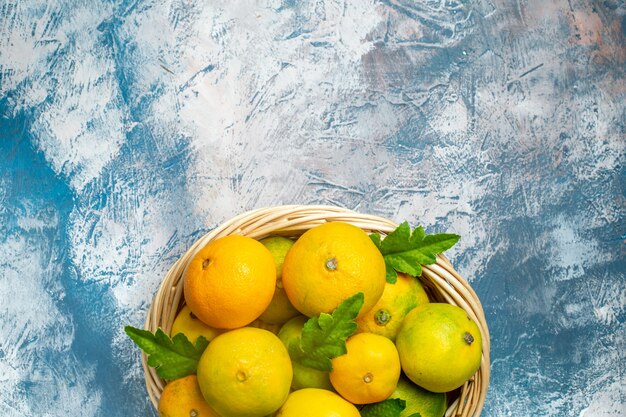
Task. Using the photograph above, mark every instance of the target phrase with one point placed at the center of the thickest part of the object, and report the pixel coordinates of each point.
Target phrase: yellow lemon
(315, 402)
(418, 400)
(187, 323)
(230, 282)
(182, 398)
(303, 376)
(330, 263)
(386, 317)
(245, 372)
(440, 346)
(369, 372)
(280, 309)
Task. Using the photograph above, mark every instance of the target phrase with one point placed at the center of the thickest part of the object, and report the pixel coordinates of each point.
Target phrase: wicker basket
(441, 281)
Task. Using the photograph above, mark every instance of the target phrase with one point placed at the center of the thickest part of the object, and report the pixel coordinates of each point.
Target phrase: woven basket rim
(293, 220)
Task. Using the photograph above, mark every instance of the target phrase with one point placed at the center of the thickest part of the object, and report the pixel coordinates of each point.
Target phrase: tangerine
(369, 371)
(330, 263)
(386, 317)
(230, 282)
(245, 372)
(182, 398)
(315, 402)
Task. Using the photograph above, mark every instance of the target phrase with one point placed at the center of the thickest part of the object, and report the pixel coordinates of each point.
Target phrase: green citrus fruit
(303, 376)
(280, 309)
(440, 346)
(418, 400)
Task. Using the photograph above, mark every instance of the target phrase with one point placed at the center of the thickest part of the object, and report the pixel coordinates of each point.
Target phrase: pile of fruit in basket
(333, 323)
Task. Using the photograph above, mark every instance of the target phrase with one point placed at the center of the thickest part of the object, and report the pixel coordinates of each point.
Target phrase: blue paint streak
(90, 306)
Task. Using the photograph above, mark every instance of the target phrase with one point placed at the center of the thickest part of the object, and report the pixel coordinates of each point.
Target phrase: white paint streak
(80, 126)
(243, 111)
(451, 118)
(123, 250)
(18, 44)
(608, 402)
(571, 253)
(609, 301)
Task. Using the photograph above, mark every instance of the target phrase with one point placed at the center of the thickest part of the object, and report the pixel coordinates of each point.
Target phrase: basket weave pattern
(442, 282)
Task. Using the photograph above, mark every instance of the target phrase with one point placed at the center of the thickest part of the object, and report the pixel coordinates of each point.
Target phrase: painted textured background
(129, 128)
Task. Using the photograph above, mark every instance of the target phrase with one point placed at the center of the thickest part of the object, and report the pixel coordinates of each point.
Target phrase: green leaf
(172, 357)
(376, 239)
(406, 251)
(389, 408)
(415, 415)
(324, 337)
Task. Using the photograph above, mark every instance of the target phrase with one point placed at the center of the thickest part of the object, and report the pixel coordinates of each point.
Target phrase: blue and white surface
(130, 128)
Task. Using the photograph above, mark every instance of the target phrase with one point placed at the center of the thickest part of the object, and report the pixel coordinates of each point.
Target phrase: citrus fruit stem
(368, 377)
(382, 317)
(469, 339)
(331, 264)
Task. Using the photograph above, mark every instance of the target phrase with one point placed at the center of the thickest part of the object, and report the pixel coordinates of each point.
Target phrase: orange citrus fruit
(188, 324)
(245, 372)
(315, 402)
(330, 263)
(369, 372)
(230, 282)
(303, 376)
(440, 346)
(280, 309)
(386, 317)
(418, 400)
(182, 398)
